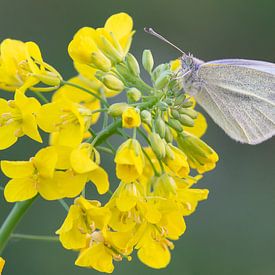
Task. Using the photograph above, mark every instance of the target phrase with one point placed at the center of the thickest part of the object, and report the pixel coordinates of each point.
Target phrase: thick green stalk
(12, 221)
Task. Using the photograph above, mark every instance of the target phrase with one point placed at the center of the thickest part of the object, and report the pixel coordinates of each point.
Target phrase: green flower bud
(134, 94)
(111, 51)
(175, 113)
(175, 124)
(162, 106)
(112, 82)
(179, 100)
(157, 145)
(159, 70)
(165, 185)
(186, 120)
(190, 112)
(162, 81)
(100, 61)
(117, 109)
(132, 64)
(168, 134)
(160, 127)
(146, 116)
(169, 153)
(186, 104)
(147, 61)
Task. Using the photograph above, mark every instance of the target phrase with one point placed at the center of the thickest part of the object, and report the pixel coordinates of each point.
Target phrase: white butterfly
(238, 94)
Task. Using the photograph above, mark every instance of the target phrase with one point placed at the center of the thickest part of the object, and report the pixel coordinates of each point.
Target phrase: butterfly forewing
(240, 97)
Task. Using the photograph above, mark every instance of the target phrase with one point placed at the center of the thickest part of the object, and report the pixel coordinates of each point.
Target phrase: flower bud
(159, 70)
(112, 82)
(169, 152)
(165, 185)
(175, 124)
(190, 112)
(146, 116)
(117, 109)
(168, 134)
(162, 81)
(99, 61)
(186, 104)
(175, 113)
(111, 51)
(132, 64)
(186, 120)
(199, 155)
(180, 99)
(160, 127)
(147, 61)
(163, 106)
(134, 94)
(50, 79)
(157, 145)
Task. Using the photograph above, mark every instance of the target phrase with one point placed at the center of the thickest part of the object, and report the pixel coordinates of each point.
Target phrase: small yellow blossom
(2, 263)
(70, 120)
(79, 96)
(18, 118)
(199, 155)
(102, 47)
(129, 161)
(131, 118)
(22, 67)
(177, 162)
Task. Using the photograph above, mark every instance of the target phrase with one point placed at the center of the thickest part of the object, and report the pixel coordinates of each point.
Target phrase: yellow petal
(154, 253)
(29, 127)
(45, 161)
(81, 159)
(48, 115)
(17, 169)
(96, 257)
(100, 179)
(119, 24)
(70, 184)
(2, 263)
(199, 127)
(49, 188)
(71, 135)
(7, 137)
(20, 189)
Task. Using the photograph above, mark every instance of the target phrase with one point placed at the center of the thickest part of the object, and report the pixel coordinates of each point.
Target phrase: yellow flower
(130, 118)
(70, 120)
(82, 219)
(177, 162)
(22, 67)
(85, 229)
(32, 177)
(199, 155)
(18, 118)
(129, 161)
(55, 172)
(85, 160)
(2, 263)
(79, 96)
(102, 47)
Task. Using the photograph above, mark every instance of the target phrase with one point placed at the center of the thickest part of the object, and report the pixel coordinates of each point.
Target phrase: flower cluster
(161, 144)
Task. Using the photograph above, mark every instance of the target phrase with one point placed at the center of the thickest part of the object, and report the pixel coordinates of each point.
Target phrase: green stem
(35, 237)
(104, 149)
(104, 102)
(41, 97)
(64, 204)
(12, 221)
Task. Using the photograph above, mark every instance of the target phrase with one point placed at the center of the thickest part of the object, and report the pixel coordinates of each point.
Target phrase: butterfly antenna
(152, 32)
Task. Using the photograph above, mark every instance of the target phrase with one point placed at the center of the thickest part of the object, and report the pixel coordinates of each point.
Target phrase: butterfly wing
(240, 97)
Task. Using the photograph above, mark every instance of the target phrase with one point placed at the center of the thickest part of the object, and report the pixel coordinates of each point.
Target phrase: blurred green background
(233, 232)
